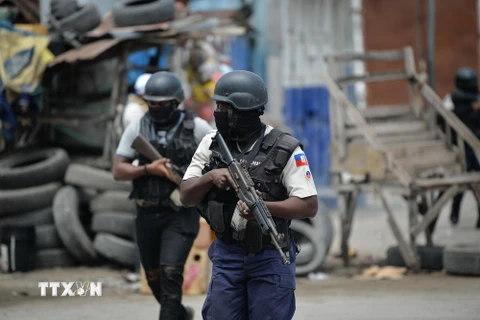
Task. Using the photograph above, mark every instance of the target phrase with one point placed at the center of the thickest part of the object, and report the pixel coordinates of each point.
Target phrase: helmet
(466, 79)
(163, 86)
(141, 82)
(244, 90)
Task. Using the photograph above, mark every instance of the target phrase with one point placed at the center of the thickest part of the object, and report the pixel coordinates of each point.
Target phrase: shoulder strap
(188, 121)
(285, 146)
(271, 138)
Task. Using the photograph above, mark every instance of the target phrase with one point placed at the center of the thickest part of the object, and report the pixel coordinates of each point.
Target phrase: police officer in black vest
(164, 232)
(249, 280)
(465, 99)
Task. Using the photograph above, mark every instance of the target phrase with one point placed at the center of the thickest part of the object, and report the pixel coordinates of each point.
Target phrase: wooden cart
(400, 149)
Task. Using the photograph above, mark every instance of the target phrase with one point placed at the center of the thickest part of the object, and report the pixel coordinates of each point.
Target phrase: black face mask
(238, 126)
(165, 115)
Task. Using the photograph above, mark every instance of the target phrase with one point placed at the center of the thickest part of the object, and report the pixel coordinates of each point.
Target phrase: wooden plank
(407, 253)
(439, 158)
(369, 134)
(452, 120)
(386, 111)
(461, 153)
(385, 55)
(416, 148)
(412, 220)
(434, 211)
(458, 179)
(373, 77)
(409, 61)
(388, 140)
(390, 128)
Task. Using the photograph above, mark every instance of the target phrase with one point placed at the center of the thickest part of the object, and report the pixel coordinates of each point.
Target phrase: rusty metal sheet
(87, 52)
(108, 26)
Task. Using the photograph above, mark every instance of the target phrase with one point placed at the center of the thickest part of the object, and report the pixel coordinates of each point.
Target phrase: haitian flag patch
(301, 160)
(308, 175)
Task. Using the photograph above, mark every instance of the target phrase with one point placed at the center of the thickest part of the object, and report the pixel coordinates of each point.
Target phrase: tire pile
(80, 214)
(314, 237)
(457, 259)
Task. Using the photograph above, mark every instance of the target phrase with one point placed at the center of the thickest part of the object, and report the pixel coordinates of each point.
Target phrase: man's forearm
(193, 190)
(294, 208)
(127, 171)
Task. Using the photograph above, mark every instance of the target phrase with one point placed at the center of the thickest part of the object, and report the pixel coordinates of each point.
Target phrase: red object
(301, 160)
(205, 112)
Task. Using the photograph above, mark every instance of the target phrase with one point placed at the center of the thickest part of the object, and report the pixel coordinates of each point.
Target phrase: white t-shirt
(125, 149)
(296, 176)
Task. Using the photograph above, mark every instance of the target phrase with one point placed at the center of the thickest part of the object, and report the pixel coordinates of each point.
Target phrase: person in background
(466, 104)
(164, 232)
(136, 107)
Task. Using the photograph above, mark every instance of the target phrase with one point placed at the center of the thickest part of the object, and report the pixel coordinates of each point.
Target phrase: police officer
(249, 280)
(466, 107)
(164, 232)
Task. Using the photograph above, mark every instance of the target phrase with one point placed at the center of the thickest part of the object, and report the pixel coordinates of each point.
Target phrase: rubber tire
(88, 177)
(131, 13)
(112, 201)
(462, 259)
(32, 218)
(27, 199)
(70, 228)
(117, 223)
(319, 248)
(83, 20)
(63, 8)
(42, 166)
(431, 258)
(54, 258)
(116, 249)
(47, 237)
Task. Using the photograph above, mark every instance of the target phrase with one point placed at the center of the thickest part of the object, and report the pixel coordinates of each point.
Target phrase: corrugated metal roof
(194, 25)
(87, 52)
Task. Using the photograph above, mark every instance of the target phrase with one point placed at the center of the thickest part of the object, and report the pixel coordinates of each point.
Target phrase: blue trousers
(249, 288)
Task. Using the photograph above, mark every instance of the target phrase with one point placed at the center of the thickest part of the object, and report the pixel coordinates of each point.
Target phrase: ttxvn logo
(71, 289)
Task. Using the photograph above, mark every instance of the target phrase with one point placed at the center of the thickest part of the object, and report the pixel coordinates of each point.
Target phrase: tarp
(23, 59)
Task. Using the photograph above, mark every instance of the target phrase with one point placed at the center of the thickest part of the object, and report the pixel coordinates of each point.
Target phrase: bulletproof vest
(178, 144)
(265, 168)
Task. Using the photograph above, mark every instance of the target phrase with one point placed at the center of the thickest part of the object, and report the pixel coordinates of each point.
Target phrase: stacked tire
(29, 181)
(111, 224)
(314, 238)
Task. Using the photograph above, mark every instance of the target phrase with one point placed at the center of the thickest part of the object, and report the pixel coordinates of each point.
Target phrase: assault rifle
(145, 148)
(246, 192)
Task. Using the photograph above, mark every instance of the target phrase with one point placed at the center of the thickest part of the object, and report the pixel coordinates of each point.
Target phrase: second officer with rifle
(164, 231)
(269, 171)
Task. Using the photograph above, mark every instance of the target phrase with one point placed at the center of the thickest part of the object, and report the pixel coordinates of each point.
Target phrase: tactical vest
(265, 170)
(180, 150)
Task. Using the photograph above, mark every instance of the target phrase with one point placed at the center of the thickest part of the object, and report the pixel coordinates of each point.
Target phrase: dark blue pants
(253, 288)
(472, 165)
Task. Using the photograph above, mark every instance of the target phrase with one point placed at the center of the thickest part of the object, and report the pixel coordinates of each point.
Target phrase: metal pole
(431, 43)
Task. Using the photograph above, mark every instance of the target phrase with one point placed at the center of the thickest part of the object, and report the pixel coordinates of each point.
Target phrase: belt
(145, 204)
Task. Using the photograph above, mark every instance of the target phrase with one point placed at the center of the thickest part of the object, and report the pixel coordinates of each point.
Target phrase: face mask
(239, 126)
(164, 115)
(221, 121)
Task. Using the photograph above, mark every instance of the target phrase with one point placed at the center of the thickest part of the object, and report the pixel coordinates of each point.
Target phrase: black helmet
(244, 90)
(163, 86)
(466, 79)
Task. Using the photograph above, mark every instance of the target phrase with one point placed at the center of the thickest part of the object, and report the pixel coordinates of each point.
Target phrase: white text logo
(71, 289)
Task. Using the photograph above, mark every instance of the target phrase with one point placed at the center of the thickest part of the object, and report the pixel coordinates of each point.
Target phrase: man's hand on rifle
(222, 179)
(244, 209)
(158, 168)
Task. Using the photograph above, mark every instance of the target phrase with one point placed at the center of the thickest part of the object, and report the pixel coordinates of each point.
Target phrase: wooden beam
(459, 179)
(373, 77)
(388, 111)
(450, 118)
(419, 136)
(390, 128)
(385, 55)
(369, 134)
(434, 211)
(405, 250)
